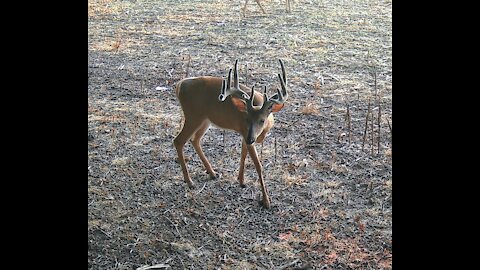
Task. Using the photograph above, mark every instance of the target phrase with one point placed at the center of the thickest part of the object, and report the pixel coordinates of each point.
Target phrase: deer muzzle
(250, 136)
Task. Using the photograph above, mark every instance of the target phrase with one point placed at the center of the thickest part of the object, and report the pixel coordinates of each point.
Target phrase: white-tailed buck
(287, 6)
(212, 100)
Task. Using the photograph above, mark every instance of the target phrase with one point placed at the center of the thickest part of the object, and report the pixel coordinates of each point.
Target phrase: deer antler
(265, 96)
(235, 75)
(227, 90)
(250, 101)
(281, 96)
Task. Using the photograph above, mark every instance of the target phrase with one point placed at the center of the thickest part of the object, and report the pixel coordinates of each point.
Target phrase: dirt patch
(327, 160)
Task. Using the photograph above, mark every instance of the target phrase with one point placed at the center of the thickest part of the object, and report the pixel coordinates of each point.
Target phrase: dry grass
(310, 109)
(331, 201)
(99, 8)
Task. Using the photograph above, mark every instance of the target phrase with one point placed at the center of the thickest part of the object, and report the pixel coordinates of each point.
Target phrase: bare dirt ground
(327, 161)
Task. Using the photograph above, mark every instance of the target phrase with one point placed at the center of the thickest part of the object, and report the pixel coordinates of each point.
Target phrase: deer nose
(250, 140)
(250, 135)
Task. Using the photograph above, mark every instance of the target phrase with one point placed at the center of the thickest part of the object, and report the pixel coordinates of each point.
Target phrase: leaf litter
(330, 186)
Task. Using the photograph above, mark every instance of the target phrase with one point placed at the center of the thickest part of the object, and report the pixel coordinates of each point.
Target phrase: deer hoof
(215, 175)
(241, 181)
(265, 203)
(190, 184)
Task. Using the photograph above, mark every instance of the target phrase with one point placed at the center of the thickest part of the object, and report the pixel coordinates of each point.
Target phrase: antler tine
(265, 96)
(223, 94)
(235, 75)
(283, 71)
(283, 79)
(250, 101)
(266, 100)
(229, 77)
(280, 97)
(227, 90)
(284, 88)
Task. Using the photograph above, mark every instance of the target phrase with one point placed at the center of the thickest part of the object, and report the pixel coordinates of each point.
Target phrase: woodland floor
(329, 175)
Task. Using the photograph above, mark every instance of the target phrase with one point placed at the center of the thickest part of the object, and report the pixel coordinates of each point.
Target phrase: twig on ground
(366, 125)
(390, 127)
(371, 134)
(349, 124)
(275, 145)
(378, 127)
(287, 265)
(106, 233)
(181, 261)
(246, 73)
(157, 266)
(176, 227)
(178, 205)
(223, 140)
(283, 122)
(187, 70)
(333, 77)
(198, 192)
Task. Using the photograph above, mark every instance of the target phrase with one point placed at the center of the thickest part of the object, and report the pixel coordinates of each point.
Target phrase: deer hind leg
(244, 9)
(260, 5)
(241, 175)
(253, 154)
(198, 148)
(189, 128)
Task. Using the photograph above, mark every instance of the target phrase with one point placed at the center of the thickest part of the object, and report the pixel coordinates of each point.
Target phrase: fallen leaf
(285, 236)
(331, 257)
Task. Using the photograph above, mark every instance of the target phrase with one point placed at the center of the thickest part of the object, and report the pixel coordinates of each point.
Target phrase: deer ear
(239, 104)
(277, 107)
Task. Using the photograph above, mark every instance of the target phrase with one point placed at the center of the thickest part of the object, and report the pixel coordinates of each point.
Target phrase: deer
(210, 100)
(287, 6)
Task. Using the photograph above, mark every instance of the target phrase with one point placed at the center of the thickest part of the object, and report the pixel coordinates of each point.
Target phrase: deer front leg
(253, 154)
(241, 175)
